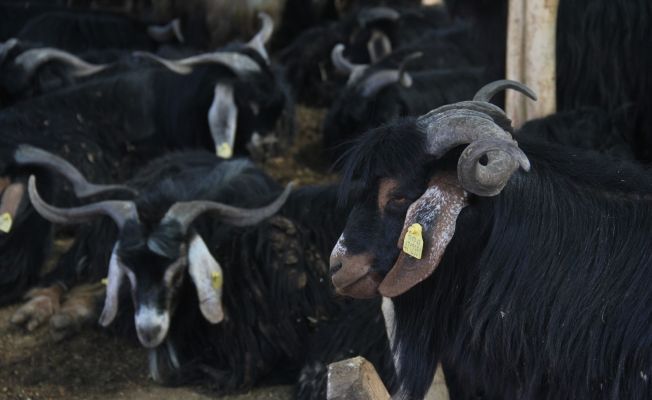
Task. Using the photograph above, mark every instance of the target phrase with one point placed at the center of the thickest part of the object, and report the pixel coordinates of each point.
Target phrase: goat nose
(150, 333)
(334, 268)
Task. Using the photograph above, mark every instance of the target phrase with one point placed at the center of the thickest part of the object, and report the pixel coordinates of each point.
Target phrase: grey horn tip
(488, 91)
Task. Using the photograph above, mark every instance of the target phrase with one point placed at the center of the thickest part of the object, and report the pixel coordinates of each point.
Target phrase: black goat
(153, 111)
(28, 70)
(77, 31)
(369, 34)
(264, 282)
(524, 285)
(383, 95)
(235, 90)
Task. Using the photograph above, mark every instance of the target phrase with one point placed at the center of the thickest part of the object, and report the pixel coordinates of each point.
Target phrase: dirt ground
(95, 366)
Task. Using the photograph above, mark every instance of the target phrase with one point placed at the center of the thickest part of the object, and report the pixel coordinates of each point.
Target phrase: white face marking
(390, 320)
(151, 325)
(339, 250)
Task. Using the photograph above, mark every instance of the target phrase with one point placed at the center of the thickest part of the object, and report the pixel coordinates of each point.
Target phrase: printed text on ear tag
(5, 222)
(224, 150)
(413, 242)
(216, 280)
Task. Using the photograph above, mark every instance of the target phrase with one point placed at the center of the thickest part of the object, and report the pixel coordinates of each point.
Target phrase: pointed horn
(239, 64)
(383, 78)
(186, 212)
(33, 59)
(343, 65)
(339, 61)
(491, 89)
(262, 37)
(6, 47)
(374, 14)
(119, 211)
(28, 155)
(164, 33)
(481, 104)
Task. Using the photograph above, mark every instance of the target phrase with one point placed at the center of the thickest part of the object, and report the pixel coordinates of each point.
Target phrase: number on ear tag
(413, 242)
(216, 280)
(224, 150)
(5, 222)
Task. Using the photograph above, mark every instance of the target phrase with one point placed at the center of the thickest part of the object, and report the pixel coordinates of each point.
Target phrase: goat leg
(41, 304)
(80, 309)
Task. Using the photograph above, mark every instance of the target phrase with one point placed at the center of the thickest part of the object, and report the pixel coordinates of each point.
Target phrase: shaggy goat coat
(543, 292)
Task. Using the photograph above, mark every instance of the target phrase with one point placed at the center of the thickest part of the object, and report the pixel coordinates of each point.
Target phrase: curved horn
(119, 211)
(33, 59)
(6, 47)
(503, 159)
(343, 65)
(262, 37)
(163, 33)
(370, 15)
(451, 128)
(481, 103)
(239, 64)
(186, 212)
(383, 78)
(491, 89)
(339, 61)
(28, 155)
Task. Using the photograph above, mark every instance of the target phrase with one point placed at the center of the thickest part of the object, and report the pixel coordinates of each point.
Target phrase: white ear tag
(207, 276)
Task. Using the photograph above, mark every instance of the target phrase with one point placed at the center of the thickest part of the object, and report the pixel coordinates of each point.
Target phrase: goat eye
(399, 200)
(177, 278)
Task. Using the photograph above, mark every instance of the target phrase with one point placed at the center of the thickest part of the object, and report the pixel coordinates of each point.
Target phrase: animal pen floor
(95, 366)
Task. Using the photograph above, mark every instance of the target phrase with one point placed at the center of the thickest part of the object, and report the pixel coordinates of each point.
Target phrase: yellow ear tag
(413, 242)
(104, 281)
(216, 280)
(5, 222)
(224, 150)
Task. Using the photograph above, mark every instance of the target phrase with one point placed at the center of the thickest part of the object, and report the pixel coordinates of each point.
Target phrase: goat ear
(114, 281)
(206, 274)
(12, 196)
(430, 222)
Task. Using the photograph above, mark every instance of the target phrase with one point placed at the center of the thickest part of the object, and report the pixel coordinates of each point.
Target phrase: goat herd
(520, 260)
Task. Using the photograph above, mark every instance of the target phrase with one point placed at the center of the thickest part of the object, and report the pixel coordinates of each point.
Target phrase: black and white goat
(223, 295)
(524, 268)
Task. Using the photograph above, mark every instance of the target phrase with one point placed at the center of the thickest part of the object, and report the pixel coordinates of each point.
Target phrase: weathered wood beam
(531, 44)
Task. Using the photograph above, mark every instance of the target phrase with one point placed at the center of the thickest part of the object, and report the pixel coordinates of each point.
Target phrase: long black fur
(542, 292)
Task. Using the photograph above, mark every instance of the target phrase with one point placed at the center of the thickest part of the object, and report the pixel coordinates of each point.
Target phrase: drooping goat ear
(114, 281)
(206, 274)
(12, 196)
(429, 227)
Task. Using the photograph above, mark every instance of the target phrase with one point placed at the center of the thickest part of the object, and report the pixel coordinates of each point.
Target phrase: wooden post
(531, 44)
(355, 379)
